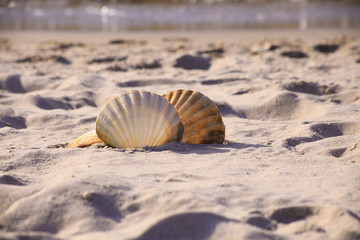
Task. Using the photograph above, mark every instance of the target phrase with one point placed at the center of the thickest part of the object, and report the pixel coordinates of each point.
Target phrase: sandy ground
(290, 169)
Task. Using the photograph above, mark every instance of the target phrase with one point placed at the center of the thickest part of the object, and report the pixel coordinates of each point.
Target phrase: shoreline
(245, 36)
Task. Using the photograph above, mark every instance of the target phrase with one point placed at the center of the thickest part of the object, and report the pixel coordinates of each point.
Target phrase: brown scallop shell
(85, 140)
(200, 116)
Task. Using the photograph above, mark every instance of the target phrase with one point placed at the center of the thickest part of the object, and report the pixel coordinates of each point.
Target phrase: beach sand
(290, 167)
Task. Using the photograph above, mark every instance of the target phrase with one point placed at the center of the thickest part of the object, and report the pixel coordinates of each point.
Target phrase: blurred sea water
(112, 15)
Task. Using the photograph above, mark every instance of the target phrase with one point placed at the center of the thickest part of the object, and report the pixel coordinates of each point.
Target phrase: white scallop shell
(137, 119)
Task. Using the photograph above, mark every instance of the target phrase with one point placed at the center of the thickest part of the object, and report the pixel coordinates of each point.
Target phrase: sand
(290, 168)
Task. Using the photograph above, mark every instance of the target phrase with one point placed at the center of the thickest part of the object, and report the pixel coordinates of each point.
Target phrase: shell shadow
(187, 148)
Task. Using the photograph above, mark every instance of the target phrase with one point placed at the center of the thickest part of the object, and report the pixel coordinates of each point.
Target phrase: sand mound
(271, 104)
(82, 82)
(87, 200)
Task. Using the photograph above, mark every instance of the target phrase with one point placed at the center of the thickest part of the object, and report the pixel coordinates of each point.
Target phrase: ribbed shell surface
(137, 119)
(200, 116)
(85, 140)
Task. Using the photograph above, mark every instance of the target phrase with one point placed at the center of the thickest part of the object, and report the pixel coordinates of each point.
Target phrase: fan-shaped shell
(138, 118)
(85, 140)
(201, 118)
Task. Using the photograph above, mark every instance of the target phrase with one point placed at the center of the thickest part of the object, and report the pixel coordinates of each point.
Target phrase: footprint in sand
(222, 81)
(339, 137)
(48, 103)
(151, 82)
(101, 60)
(12, 84)
(292, 214)
(116, 68)
(311, 88)
(257, 219)
(54, 58)
(17, 83)
(240, 92)
(190, 62)
(8, 118)
(10, 180)
(127, 42)
(106, 60)
(326, 48)
(62, 46)
(302, 219)
(294, 54)
(138, 63)
(212, 52)
(150, 64)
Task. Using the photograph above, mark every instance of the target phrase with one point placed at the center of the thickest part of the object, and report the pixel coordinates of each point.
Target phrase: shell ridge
(196, 110)
(144, 110)
(149, 106)
(151, 130)
(129, 113)
(140, 120)
(109, 117)
(214, 121)
(209, 130)
(157, 132)
(135, 100)
(161, 123)
(184, 101)
(122, 130)
(101, 125)
(113, 110)
(177, 98)
(180, 126)
(198, 116)
(173, 98)
(180, 99)
(168, 114)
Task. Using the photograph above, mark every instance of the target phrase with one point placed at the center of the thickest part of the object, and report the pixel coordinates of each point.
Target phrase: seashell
(137, 119)
(85, 140)
(201, 118)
